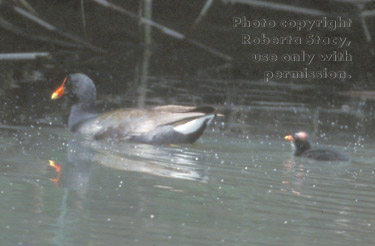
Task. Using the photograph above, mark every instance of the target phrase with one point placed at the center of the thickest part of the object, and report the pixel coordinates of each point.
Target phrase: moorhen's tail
(187, 129)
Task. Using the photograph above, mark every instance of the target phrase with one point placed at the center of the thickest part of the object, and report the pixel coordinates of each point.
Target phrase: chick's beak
(59, 91)
(290, 138)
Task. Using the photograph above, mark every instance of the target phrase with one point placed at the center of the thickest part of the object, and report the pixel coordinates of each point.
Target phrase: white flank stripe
(194, 125)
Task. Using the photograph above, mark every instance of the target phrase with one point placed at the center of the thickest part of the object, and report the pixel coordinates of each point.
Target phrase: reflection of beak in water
(57, 168)
(71, 175)
(293, 177)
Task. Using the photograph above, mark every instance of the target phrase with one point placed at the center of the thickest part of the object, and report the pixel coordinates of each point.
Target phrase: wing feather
(129, 123)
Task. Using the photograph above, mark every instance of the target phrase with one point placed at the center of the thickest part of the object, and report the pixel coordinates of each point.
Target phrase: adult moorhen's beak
(59, 91)
(290, 138)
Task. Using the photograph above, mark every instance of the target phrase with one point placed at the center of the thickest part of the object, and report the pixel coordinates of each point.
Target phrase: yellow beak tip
(54, 96)
(289, 138)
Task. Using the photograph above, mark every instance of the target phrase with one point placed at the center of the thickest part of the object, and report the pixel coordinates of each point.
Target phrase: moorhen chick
(170, 124)
(302, 147)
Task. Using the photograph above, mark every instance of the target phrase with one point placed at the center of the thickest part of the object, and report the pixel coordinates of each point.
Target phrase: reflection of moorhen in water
(302, 147)
(156, 161)
(75, 171)
(164, 125)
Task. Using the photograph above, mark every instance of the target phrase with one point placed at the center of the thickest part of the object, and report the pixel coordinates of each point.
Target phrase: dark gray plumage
(164, 124)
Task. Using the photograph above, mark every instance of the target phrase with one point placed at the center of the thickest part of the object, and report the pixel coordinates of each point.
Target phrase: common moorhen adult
(170, 124)
(302, 147)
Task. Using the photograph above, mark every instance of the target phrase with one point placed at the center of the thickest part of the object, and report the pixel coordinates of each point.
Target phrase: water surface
(223, 190)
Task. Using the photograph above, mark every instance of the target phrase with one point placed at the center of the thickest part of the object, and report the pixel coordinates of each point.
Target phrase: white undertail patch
(194, 125)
